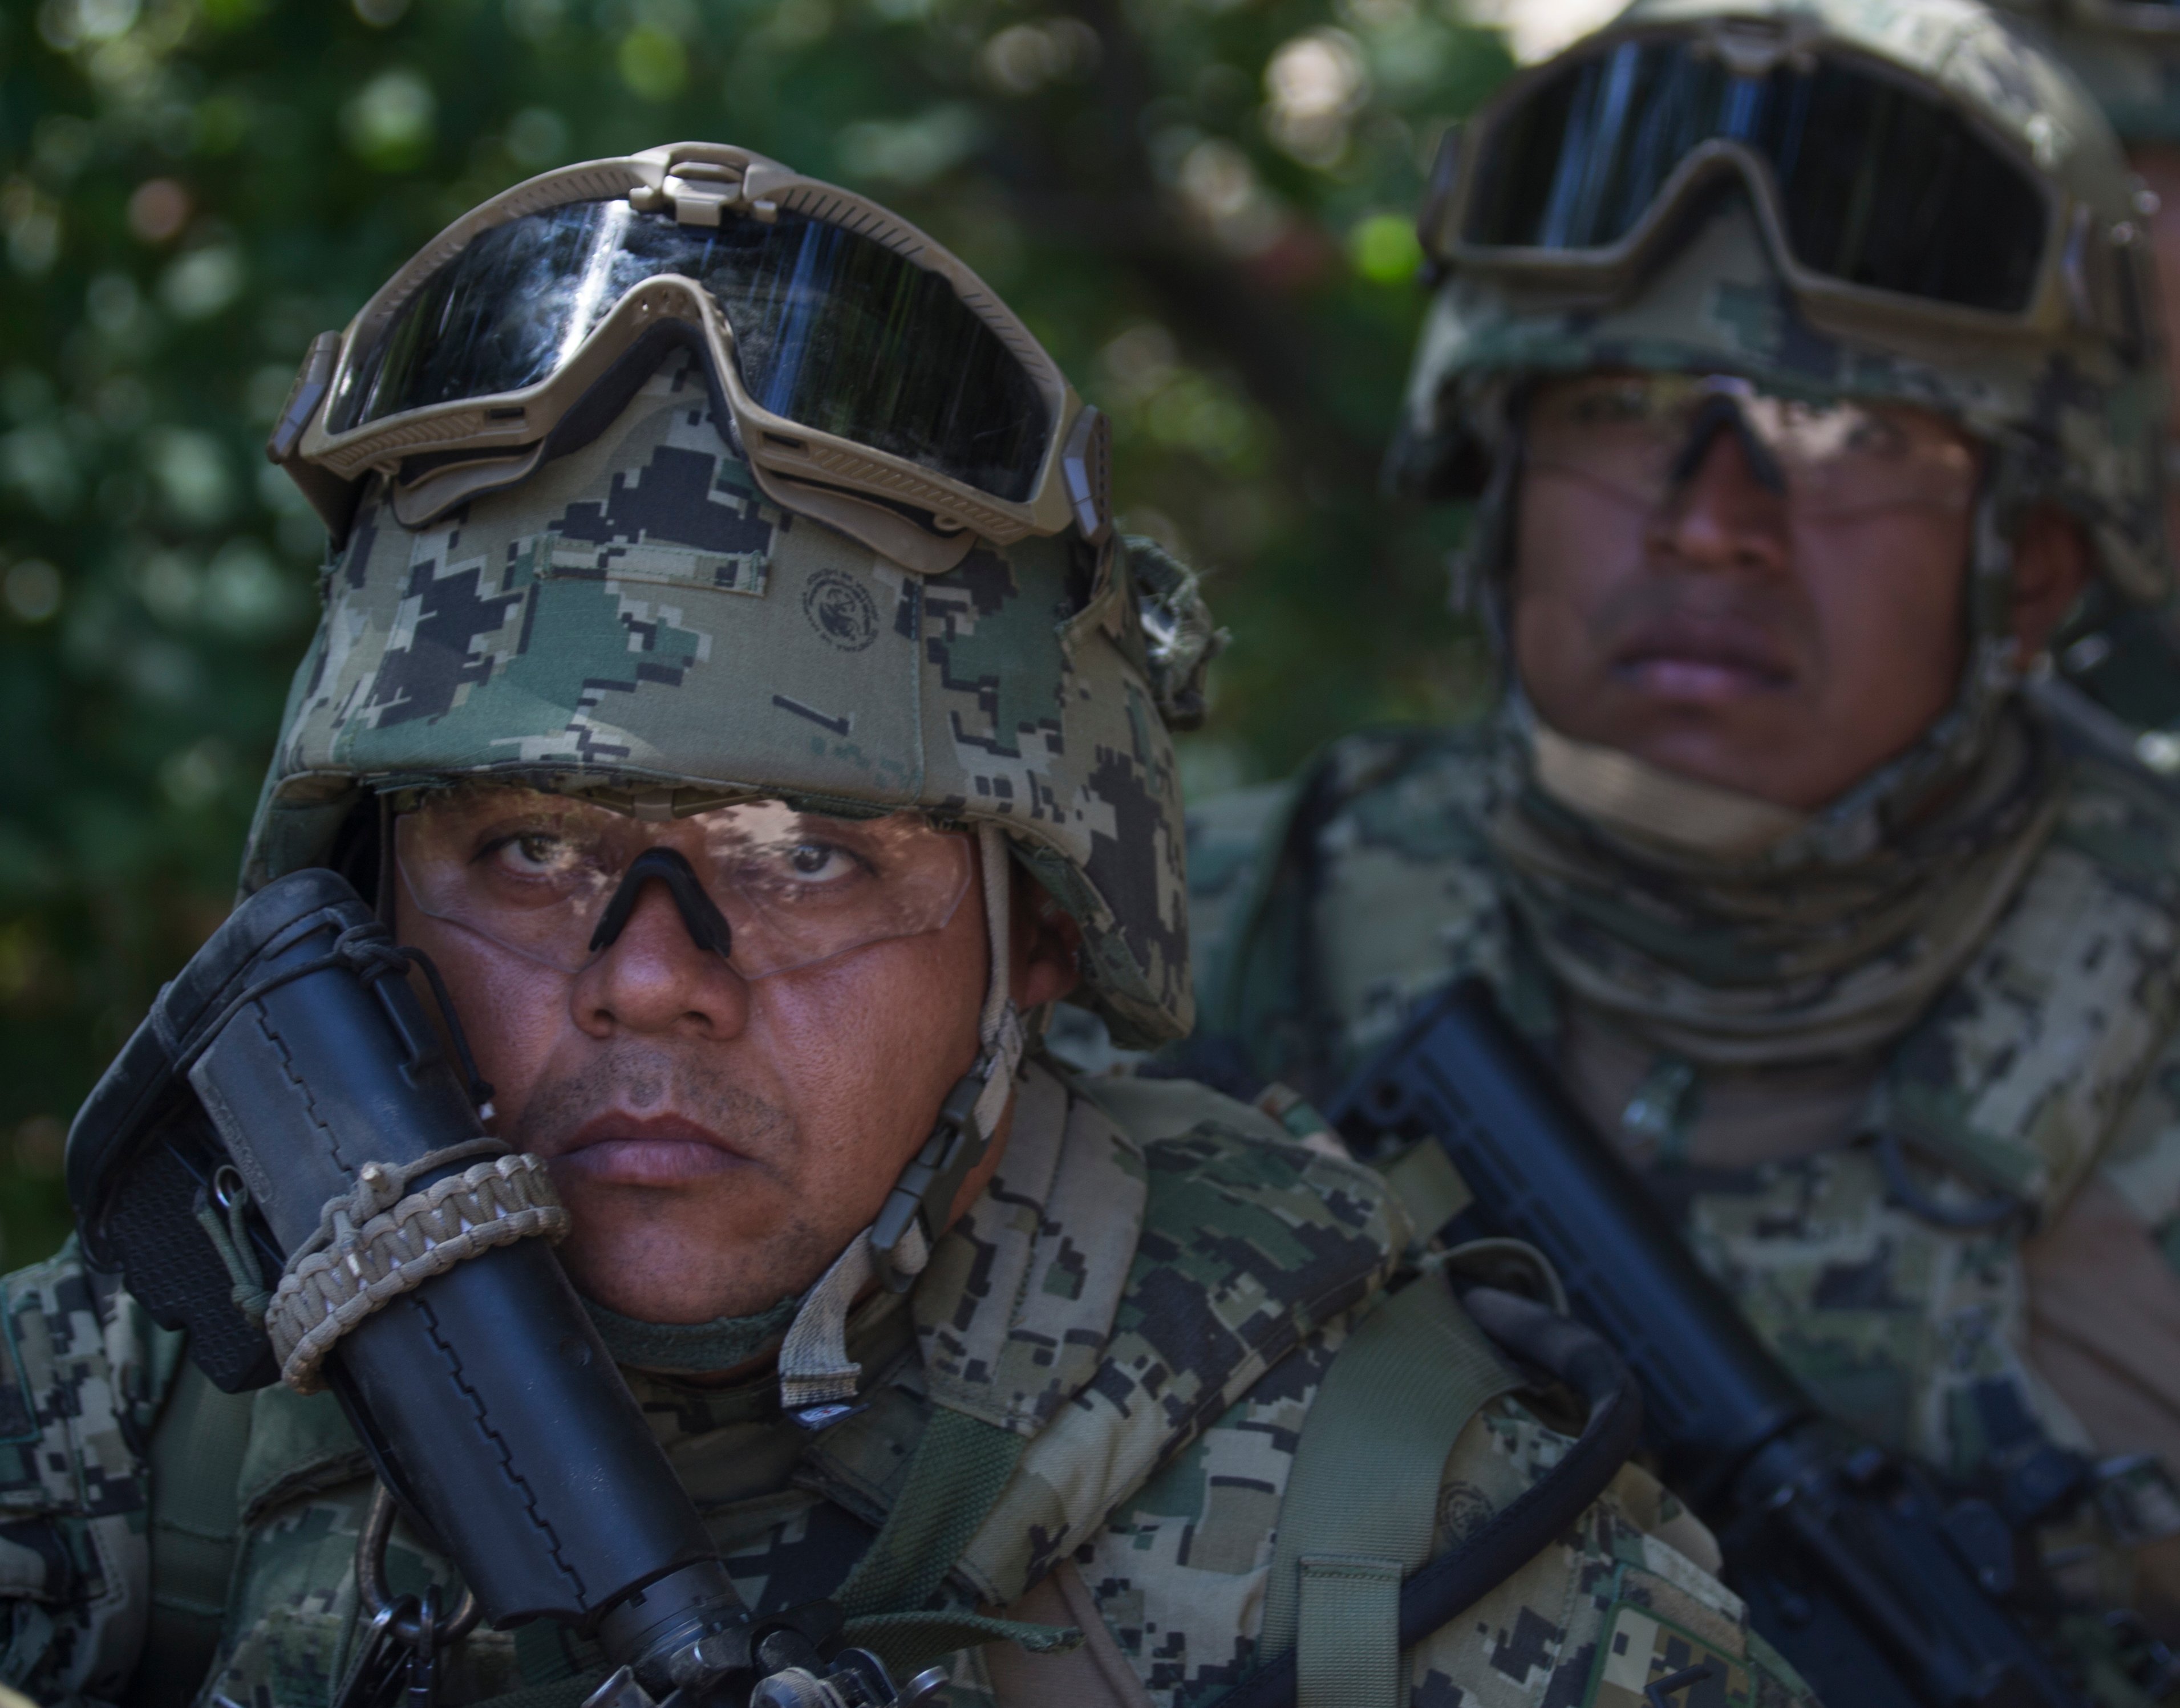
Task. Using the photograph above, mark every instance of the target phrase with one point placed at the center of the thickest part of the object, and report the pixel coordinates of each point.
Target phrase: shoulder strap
(960, 1466)
(195, 1525)
(1362, 1497)
(960, 1469)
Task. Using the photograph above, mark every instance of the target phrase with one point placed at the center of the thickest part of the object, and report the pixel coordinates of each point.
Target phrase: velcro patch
(670, 566)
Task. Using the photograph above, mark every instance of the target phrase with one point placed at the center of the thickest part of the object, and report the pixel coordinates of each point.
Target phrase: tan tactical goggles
(874, 382)
(1881, 199)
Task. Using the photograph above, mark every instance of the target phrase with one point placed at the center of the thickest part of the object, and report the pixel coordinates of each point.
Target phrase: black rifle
(1883, 1591)
(289, 1060)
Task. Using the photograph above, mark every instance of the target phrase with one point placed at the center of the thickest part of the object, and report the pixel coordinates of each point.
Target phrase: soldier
(2128, 56)
(688, 511)
(1803, 358)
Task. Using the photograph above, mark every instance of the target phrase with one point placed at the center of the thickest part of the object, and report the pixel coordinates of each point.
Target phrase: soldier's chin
(675, 1269)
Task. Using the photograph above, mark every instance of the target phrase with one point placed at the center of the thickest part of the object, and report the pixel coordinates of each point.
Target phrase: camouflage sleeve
(83, 1374)
(1179, 1571)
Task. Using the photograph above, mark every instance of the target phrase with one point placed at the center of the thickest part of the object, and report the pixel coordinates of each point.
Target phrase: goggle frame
(2082, 284)
(799, 468)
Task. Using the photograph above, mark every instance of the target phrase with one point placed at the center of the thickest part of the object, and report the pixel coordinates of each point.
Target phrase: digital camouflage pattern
(635, 620)
(1149, 1294)
(1329, 909)
(2084, 409)
(84, 1372)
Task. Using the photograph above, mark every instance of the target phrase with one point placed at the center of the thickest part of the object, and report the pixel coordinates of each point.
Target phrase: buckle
(925, 1191)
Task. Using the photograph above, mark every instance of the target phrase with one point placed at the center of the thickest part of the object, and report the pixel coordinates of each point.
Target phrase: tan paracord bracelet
(341, 1277)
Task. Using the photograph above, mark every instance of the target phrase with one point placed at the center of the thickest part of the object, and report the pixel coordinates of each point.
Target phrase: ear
(1047, 945)
(2051, 563)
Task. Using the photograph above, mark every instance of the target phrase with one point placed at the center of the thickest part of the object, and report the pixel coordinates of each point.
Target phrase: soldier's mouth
(620, 1150)
(1703, 664)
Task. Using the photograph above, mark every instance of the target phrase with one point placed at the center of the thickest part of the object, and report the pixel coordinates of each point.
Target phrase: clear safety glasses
(1876, 195)
(555, 879)
(1643, 435)
(858, 359)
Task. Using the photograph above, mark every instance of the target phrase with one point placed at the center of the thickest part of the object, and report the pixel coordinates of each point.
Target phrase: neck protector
(1767, 938)
(690, 1348)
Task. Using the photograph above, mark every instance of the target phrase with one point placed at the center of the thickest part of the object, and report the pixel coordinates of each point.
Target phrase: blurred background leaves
(1202, 206)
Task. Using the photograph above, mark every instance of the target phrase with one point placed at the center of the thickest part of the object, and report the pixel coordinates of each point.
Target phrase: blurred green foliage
(1200, 206)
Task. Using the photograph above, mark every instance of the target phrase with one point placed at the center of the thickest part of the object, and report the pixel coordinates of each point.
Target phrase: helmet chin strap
(817, 1377)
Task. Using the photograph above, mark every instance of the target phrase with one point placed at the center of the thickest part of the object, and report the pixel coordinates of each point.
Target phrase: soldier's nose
(1723, 515)
(655, 977)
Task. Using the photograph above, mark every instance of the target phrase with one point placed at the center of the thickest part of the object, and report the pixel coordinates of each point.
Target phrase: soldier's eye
(820, 862)
(530, 853)
(1872, 435)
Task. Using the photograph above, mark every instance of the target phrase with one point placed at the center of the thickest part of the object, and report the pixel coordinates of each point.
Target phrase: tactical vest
(1329, 909)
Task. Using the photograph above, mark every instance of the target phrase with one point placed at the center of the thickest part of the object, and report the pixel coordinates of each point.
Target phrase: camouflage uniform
(1163, 1289)
(1869, 1195)
(1144, 1299)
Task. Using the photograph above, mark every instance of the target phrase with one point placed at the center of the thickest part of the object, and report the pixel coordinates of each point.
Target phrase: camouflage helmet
(2069, 393)
(636, 621)
(2125, 53)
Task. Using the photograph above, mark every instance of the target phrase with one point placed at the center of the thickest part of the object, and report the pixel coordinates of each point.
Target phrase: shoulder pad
(1150, 1109)
(1248, 1244)
(1414, 791)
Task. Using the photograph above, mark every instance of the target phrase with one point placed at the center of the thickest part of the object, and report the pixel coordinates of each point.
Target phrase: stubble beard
(658, 1235)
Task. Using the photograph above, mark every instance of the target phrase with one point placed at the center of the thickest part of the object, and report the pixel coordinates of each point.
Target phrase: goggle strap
(817, 1378)
(922, 1198)
(998, 898)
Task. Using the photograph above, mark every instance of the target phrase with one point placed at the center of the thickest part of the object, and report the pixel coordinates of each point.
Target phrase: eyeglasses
(859, 362)
(1877, 195)
(1643, 435)
(546, 876)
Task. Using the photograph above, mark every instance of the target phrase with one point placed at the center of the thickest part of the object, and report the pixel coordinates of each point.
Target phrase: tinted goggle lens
(1878, 185)
(833, 330)
(1633, 434)
(535, 873)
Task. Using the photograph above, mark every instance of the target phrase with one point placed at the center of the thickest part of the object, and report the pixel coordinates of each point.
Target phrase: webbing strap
(909, 1642)
(1351, 1631)
(959, 1468)
(1362, 1497)
(195, 1520)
